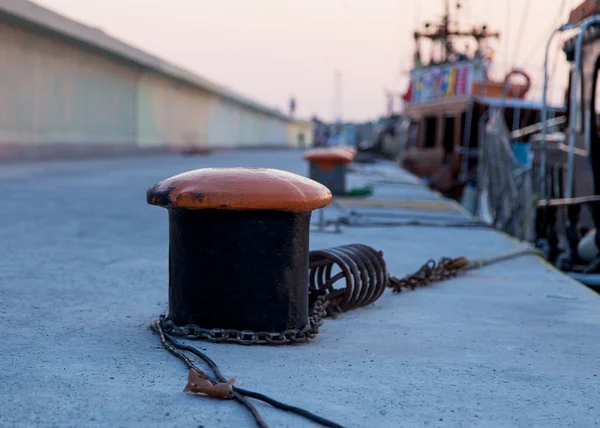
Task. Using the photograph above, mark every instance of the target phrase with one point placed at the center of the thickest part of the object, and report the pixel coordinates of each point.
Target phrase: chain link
(430, 272)
(321, 295)
(244, 337)
(319, 299)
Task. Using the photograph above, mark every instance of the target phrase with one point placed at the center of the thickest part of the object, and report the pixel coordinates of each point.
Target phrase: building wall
(232, 124)
(51, 92)
(300, 134)
(171, 112)
(56, 96)
(176, 113)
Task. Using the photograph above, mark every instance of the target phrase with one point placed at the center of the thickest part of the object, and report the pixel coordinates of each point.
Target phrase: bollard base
(330, 175)
(242, 270)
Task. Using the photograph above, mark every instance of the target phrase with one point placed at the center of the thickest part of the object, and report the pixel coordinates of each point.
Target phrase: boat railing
(532, 129)
(581, 27)
(493, 104)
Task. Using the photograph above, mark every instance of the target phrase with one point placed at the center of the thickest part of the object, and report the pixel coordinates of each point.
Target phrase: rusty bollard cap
(330, 155)
(239, 189)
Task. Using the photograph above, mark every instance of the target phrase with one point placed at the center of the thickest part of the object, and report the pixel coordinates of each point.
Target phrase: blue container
(521, 152)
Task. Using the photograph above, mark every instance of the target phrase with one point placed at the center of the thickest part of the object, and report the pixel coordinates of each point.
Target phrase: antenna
(442, 35)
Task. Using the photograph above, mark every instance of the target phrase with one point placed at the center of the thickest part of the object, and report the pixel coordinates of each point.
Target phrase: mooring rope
(238, 394)
(486, 261)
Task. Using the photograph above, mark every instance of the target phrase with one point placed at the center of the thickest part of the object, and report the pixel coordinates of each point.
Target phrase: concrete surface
(83, 271)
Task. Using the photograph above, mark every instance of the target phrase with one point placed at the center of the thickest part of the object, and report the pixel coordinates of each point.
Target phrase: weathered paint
(239, 189)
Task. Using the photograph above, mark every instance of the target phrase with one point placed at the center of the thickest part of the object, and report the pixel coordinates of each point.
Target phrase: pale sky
(272, 49)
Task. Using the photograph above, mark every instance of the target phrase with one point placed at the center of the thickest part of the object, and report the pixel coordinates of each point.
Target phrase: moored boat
(449, 97)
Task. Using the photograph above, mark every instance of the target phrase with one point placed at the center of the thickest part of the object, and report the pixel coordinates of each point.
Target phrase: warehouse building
(67, 90)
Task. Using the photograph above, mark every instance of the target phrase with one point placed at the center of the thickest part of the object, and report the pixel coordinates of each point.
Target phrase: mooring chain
(431, 272)
(244, 337)
(362, 272)
(365, 277)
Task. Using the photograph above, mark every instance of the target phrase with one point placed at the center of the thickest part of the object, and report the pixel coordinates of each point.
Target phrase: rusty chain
(244, 337)
(360, 269)
(363, 269)
(431, 272)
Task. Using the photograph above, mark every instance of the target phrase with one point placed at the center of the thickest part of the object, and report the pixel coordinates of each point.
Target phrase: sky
(271, 50)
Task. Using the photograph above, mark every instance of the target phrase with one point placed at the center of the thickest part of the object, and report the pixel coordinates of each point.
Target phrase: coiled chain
(340, 279)
(360, 268)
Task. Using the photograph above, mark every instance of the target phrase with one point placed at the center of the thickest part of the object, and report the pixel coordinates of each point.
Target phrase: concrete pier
(83, 272)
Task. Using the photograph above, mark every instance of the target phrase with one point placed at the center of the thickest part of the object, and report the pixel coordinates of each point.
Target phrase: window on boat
(473, 138)
(430, 128)
(449, 124)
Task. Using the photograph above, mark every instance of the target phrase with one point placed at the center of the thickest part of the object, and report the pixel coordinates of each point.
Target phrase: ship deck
(83, 271)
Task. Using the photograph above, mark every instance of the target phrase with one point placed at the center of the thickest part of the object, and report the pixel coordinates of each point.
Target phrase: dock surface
(84, 271)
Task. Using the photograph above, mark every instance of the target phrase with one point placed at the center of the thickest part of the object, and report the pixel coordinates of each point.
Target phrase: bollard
(238, 246)
(328, 167)
(349, 149)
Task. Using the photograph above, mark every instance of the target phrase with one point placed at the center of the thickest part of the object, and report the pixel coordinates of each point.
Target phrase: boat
(538, 180)
(450, 95)
(568, 214)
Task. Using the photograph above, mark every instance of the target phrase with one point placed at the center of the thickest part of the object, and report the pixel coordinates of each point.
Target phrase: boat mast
(443, 34)
(446, 30)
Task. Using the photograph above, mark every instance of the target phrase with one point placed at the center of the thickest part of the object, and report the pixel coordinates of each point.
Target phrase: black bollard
(238, 247)
(328, 166)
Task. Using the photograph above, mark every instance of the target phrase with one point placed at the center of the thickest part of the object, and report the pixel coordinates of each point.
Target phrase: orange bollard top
(239, 189)
(329, 155)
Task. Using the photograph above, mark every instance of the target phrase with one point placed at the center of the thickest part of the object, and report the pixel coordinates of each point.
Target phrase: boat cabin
(447, 97)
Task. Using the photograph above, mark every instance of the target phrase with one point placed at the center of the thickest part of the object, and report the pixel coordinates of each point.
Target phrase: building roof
(28, 13)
